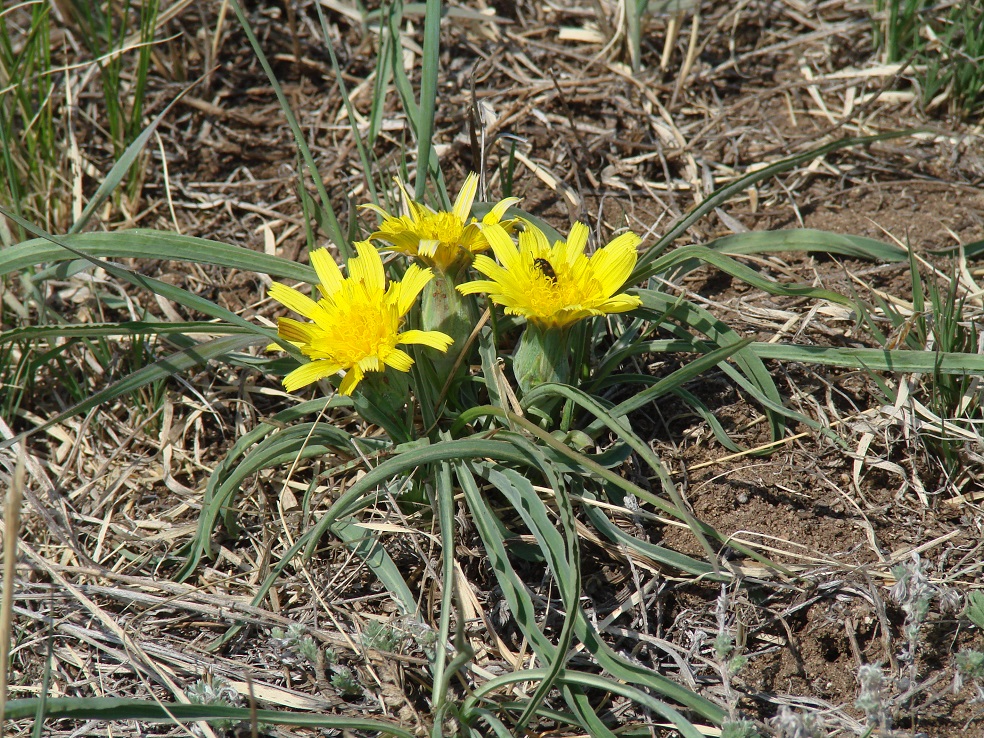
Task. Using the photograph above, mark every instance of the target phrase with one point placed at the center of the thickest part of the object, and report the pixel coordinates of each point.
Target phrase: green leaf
(123, 164)
(112, 708)
(145, 243)
(807, 239)
(679, 258)
(975, 608)
(43, 333)
(719, 197)
(897, 360)
(334, 228)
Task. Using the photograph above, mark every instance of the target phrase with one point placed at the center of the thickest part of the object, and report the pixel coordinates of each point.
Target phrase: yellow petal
(620, 304)
(614, 263)
(533, 240)
(352, 378)
(576, 242)
(329, 274)
(478, 285)
(399, 360)
(434, 339)
(498, 212)
(376, 209)
(367, 267)
(295, 331)
(414, 280)
(463, 203)
(294, 300)
(404, 242)
(503, 246)
(309, 373)
(427, 247)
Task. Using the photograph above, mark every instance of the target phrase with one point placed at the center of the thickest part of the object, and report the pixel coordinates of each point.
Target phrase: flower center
(359, 324)
(443, 227)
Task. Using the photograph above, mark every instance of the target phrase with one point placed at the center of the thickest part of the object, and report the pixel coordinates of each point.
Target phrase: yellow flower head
(441, 239)
(356, 322)
(556, 286)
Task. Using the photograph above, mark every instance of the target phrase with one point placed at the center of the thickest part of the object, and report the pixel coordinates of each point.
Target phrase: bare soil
(114, 493)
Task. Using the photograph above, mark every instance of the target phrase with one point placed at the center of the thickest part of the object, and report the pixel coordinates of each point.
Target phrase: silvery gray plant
(789, 723)
(872, 700)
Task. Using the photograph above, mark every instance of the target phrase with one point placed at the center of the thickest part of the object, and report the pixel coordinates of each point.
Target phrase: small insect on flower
(555, 286)
(544, 266)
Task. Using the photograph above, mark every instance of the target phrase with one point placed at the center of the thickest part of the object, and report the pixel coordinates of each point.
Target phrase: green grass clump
(37, 154)
(940, 322)
(944, 41)
(30, 136)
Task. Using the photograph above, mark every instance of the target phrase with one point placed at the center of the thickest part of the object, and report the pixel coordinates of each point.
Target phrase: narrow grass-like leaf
(887, 360)
(513, 589)
(114, 708)
(657, 554)
(582, 462)
(595, 682)
(902, 361)
(719, 197)
(349, 107)
(587, 402)
(808, 240)
(709, 417)
(335, 232)
(444, 499)
(970, 250)
(149, 244)
(753, 388)
(271, 450)
(692, 254)
(560, 550)
(676, 379)
(170, 292)
(43, 333)
(363, 493)
(429, 68)
(661, 306)
(367, 546)
(122, 165)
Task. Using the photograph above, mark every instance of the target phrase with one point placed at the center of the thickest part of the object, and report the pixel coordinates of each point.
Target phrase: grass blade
(113, 708)
(807, 239)
(335, 232)
(430, 64)
(149, 244)
(722, 195)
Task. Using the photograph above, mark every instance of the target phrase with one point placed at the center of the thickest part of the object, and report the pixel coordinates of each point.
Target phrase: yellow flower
(356, 322)
(441, 239)
(554, 287)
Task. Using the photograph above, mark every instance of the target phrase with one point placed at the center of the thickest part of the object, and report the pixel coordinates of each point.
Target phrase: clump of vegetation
(969, 667)
(944, 44)
(948, 409)
(791, 723)
(215, 691)
(294, 645)
(873, 699)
